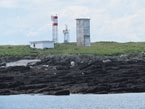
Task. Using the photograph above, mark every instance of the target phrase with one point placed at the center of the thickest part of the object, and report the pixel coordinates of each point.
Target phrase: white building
(83, 32)
(42, 44)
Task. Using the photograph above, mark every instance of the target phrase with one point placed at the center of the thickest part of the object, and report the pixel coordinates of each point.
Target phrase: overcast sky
(22, 21)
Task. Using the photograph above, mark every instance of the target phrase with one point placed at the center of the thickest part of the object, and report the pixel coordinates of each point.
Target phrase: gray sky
(22, 21)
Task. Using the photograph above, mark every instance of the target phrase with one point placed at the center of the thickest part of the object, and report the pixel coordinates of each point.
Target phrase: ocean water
(90, 101)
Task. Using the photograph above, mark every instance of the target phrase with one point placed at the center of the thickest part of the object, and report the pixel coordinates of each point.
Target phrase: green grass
(98, 48)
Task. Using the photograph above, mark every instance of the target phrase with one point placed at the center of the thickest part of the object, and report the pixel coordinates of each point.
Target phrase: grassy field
(98, 48)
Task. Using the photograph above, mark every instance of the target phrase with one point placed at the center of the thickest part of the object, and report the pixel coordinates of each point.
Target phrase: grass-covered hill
(98, 48)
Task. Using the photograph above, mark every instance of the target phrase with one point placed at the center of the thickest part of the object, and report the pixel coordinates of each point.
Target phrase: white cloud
(14, 3)
(31, 33)
(133, 37)
(8, 3)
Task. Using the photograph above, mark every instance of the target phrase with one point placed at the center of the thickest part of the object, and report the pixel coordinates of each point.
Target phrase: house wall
(39, 45)
(86, 33)
(36, 45)
(87, 41)
(80, 33)
(42, 45)
(31, 45)
(48, 45)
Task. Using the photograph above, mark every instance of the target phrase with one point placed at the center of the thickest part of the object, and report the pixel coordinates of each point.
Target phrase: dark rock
(18, 68)
(46, 89)
(4, 85)
(62, 92)
(5, 92)
(32, 86)
(8, 92)
(62, 67)
(4, 78)
(2, 64)
(33, 63)
(91, 74)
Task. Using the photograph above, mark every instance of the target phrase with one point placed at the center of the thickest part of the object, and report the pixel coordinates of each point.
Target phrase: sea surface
(90, 101)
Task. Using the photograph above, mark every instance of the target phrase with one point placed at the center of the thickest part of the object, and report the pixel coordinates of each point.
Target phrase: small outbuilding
(42, 44)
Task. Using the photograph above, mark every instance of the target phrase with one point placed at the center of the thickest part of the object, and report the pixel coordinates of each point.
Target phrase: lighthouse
(55, 28)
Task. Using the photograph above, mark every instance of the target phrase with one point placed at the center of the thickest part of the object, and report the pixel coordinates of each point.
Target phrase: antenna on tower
(55, 28)
(66, 34)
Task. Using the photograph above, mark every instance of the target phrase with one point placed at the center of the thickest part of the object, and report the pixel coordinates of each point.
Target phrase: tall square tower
(83, 32)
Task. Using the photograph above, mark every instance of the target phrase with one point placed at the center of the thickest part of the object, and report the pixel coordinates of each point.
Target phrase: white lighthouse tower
(55, 28)
(66, 34)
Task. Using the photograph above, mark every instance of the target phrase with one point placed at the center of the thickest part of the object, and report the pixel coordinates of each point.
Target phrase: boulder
(72, 63)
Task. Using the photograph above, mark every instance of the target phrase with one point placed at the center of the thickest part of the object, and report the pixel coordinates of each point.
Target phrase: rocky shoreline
(65, 74)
